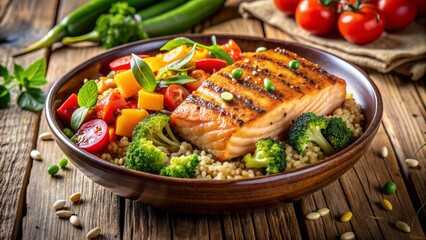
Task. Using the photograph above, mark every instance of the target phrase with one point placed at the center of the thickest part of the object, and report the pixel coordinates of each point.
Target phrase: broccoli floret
(337, 133)
(181, 167)
(307, 128)
(118, 27)
(156, 128)
(143, 155)
(269, 154)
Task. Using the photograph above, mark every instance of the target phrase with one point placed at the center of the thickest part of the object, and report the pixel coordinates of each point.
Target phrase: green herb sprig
(27, 83)
(143, 73)
(87, 97)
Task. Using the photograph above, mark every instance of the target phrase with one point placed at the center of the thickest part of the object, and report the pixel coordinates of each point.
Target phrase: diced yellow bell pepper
(150, 100)
(200, 53)
(127, 84)
(128, 120)
(155, 63)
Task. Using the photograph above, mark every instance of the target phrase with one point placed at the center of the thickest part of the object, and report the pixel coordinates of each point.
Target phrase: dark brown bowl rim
(261, 179)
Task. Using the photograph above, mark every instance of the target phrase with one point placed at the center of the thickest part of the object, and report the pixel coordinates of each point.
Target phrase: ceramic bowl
(217, 196)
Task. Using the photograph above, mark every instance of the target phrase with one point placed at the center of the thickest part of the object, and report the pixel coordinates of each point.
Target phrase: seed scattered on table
(94, 233)
(403, 226)
(74, 220)
(313, 216)
(347, 236)
(323, 211)
(36, 155)
(390, 187)
(412, 163)
(46, 136)
(53, 169)
(64, 213)
(59, 204)
(386, 204)
(384, 151)
(346, 217)
(75, 197)
(63, 162)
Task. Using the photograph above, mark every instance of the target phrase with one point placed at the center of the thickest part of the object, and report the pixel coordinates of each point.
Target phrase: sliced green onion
(227, 96)
(269, 86)
(261, 49)
(237, 73)
(294, 64)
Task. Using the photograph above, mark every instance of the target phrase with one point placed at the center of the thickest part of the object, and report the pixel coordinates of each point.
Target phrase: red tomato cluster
(358, 21)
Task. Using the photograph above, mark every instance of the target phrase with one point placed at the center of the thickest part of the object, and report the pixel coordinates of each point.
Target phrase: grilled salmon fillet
(229, 130)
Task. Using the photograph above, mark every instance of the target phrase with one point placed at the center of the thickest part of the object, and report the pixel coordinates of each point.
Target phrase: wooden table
(27, 192)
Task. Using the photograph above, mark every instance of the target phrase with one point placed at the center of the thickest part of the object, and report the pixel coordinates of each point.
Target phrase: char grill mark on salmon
(229, 130)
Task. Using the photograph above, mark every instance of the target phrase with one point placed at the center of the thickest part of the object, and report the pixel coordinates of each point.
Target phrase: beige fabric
(405, 48)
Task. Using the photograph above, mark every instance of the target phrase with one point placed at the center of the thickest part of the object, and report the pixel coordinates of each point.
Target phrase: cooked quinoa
(209, 168)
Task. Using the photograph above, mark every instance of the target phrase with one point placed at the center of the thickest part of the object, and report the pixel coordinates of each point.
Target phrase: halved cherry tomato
(200, 76)
(397, 14)
(67, 108)
(174, 96)
(361, 26)
(210, 64)
(232, 49)
(288, 7)
(123, 63)
(315, 17)
(93, 136)
(107, 106)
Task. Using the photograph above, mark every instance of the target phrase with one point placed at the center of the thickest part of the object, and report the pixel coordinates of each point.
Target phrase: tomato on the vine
(288, 7)
(420, 7)
(315, 16)
(361, 25)
(174, 96)
(397, 14)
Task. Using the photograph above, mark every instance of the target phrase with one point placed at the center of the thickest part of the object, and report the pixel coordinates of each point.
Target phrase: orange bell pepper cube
(150, 100)
(127, 84)
(128, 120)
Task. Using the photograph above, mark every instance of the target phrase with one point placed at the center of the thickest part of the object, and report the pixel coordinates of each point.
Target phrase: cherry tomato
(397, 13)
(314, 17)
(123, 63)
(361, 26)
(93, 136)
(67, 108)
(232, 48)
(174, 96)
(210, 64)
(107, 106)
(198, 74)
(288, 7)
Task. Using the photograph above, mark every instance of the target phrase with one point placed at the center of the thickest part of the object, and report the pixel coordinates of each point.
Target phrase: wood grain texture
(18, 128)
(405, 123)
(98, 207)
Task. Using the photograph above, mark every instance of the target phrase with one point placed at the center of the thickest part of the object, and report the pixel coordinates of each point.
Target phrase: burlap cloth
(403, 51)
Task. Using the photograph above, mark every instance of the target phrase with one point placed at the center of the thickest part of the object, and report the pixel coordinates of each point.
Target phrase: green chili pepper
(227, 96)
(79, 21)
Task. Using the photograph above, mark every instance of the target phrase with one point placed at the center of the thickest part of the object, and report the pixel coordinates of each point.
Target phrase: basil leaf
(35, 73)
(78, 117)
(32, 99)
(4, 97)
(177, 79)
(88, 94)
(20, 75)
(176, 42)
(5, 74)
(215, 49)
(143, 73)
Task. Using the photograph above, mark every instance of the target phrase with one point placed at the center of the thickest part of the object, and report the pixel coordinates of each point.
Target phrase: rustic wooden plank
(18, 128)
(360, 191)
(405, 122)
(276, 33)
(99, 206)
